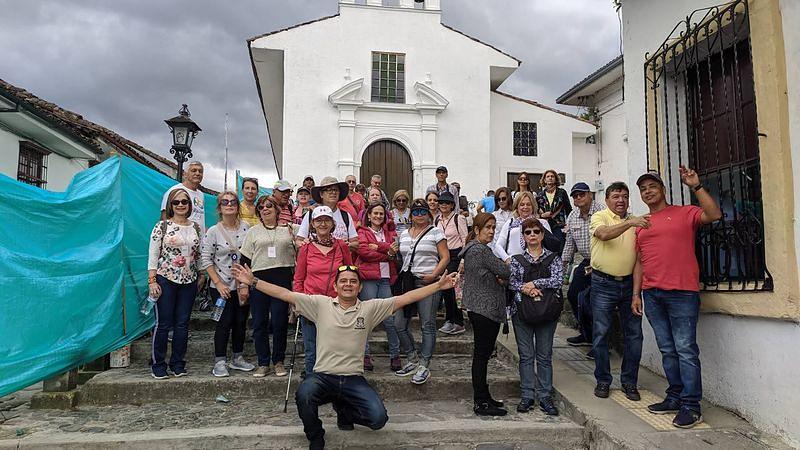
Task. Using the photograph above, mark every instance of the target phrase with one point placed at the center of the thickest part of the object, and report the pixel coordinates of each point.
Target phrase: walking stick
(291, 364)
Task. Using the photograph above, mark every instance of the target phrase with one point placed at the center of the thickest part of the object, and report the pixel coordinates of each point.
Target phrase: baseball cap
(282, 185)
(447, 197)
(321, 211)
(420, 204)
(308, 177)
(651, 175)
(579, 187)
(441, 169)
(304, 189)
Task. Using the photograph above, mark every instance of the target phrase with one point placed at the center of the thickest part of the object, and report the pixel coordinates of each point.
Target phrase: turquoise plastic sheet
(73, 268)
(261, 189)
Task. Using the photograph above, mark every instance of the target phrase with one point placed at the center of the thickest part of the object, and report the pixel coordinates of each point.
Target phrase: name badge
(271, 252)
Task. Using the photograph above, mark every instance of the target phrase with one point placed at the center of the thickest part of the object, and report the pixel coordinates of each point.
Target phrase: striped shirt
(426, 257)
(578, 239)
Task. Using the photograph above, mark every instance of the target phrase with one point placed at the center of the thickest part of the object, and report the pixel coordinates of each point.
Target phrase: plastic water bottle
(147, 305)
(218, 308)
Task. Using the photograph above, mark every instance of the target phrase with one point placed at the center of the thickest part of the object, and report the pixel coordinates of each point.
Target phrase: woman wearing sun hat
(329, 193)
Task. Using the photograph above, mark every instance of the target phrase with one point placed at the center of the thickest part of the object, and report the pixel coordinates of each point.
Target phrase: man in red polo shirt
(667, 278)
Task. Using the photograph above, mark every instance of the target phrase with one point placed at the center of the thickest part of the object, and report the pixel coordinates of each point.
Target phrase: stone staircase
(126, 408)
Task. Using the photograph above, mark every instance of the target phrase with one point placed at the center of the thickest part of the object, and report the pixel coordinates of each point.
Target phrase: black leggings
(233, 322)
(485, 332)
(451, 311)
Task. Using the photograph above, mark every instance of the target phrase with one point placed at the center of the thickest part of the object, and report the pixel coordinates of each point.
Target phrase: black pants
(485, 332)
(451, 311)
(232, 324)
(578, 283)
(269, 309)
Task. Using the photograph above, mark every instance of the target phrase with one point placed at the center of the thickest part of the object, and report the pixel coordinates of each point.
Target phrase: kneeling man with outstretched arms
(343, 327)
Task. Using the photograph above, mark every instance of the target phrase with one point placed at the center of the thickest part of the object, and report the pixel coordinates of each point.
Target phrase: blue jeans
(172, 312)
(309, 344)
(608, 295)
(535, 343)
(382, 289)
(354, 400)
(427, 316)
(673, 317)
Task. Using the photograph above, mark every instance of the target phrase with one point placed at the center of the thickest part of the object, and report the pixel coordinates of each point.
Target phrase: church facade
(391, 90)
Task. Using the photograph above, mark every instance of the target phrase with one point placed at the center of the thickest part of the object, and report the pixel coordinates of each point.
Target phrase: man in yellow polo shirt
(343, 326)
(613, 255)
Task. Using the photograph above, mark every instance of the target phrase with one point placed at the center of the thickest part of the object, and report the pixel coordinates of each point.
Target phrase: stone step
(201, 346)
(201, 321)
(446, 424)
(450, 379)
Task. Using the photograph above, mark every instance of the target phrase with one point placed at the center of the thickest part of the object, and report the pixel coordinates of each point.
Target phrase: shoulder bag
(544, 308)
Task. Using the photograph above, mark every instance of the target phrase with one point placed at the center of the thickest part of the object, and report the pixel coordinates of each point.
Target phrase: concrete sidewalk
(616, 422)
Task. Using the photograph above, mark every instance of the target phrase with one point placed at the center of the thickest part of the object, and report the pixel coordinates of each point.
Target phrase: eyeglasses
(419, 212)
(228, 202)
(331, 189)
(533, 231)
(579, 194)
(348, 268)
(502, 199)
(351, 181)
(183, 202)
(266, 206)
(401, 200)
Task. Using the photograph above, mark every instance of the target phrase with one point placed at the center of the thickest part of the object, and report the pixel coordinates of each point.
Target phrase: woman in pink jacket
(377, 248)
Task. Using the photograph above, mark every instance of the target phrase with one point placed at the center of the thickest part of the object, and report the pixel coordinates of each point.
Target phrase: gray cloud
(130, 64)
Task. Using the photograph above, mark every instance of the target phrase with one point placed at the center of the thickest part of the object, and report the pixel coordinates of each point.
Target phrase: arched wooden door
(392, 162)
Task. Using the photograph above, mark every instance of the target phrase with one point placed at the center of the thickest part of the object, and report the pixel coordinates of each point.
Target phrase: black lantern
(183, 131)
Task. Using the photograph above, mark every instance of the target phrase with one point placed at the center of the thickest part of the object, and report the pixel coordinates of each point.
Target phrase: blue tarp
(73, 268)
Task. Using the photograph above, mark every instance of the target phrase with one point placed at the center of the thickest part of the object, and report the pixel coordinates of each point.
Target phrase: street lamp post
(184, 130)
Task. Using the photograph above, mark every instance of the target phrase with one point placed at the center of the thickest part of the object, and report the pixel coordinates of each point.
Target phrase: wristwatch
(697, 188)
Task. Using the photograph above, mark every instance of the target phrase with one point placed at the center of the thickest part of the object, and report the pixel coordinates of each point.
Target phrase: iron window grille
(32, 166)
(525, 141)
(700, 111)
(388, 77)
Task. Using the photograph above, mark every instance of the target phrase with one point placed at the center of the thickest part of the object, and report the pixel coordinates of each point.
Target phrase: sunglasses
(401, 200)
(227, 202)
(331, 189)
(419, 212)
(522, 179)
(183, 202)
(351, 182)
(533, 231)
(348, 268)
(502, 199)
(266, 206)
(579, 194)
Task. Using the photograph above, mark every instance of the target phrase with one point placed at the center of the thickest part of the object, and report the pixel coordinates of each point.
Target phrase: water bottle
(218, 308)
(147, 305)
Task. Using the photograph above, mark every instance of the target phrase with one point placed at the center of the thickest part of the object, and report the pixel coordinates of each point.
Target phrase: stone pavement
(616, 422)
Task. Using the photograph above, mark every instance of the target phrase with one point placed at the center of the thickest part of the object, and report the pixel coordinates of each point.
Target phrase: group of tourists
(343, 261)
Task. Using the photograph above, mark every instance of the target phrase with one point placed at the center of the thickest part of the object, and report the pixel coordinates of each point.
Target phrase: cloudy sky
(129, 64)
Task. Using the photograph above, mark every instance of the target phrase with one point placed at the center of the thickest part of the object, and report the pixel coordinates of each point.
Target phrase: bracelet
(697, 188)
(151, 280)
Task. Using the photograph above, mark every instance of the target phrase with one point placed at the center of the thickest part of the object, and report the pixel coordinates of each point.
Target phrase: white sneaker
(220, 369)
(421, 376)
(457, 329)
(239, 363)
(407, 370)
(447, 328)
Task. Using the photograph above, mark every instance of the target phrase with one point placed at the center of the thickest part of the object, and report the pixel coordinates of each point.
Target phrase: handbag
(544, 308)
(406, 281)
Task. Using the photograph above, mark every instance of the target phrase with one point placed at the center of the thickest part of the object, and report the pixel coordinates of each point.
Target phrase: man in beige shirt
(343, 327)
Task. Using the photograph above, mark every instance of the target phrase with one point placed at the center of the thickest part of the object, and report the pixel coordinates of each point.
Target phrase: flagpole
(226, 152)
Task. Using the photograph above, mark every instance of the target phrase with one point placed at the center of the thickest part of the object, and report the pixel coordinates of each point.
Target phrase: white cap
(320, 211)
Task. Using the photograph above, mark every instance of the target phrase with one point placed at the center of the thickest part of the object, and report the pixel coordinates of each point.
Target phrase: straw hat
(327, 182)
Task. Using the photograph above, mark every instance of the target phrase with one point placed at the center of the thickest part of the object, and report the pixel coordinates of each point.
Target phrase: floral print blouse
(178, 258)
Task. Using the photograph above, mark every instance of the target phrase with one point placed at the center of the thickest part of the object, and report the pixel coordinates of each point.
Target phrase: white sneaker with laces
(422, 375)
(220, 369)
(457, 329)
(239, 363)
(407, 370)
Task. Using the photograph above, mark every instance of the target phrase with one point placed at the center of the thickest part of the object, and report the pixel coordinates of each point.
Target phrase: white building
(343, 95)
(45, 145)
(740, 128)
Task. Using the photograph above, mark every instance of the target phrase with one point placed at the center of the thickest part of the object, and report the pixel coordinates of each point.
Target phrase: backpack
(546, 308)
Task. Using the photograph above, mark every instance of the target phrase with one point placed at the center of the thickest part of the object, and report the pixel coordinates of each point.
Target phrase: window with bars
(388, 77)
(700, 111)
(32, 167)
(525, 139)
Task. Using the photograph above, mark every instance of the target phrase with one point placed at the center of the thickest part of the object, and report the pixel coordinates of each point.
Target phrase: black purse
(544, 308)
(406, 281)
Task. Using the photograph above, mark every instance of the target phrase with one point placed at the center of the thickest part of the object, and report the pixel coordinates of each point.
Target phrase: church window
(525, 139)
(388, 77)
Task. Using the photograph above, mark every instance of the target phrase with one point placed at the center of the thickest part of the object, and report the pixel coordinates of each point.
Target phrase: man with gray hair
(192, 177)
(377, 181)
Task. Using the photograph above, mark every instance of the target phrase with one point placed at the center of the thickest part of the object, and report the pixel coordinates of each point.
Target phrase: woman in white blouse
(221, 249)
(503, 210)
(509, 242)
(173, 267)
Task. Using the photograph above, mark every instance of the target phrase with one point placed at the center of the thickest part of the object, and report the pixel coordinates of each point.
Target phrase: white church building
(384, 87)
